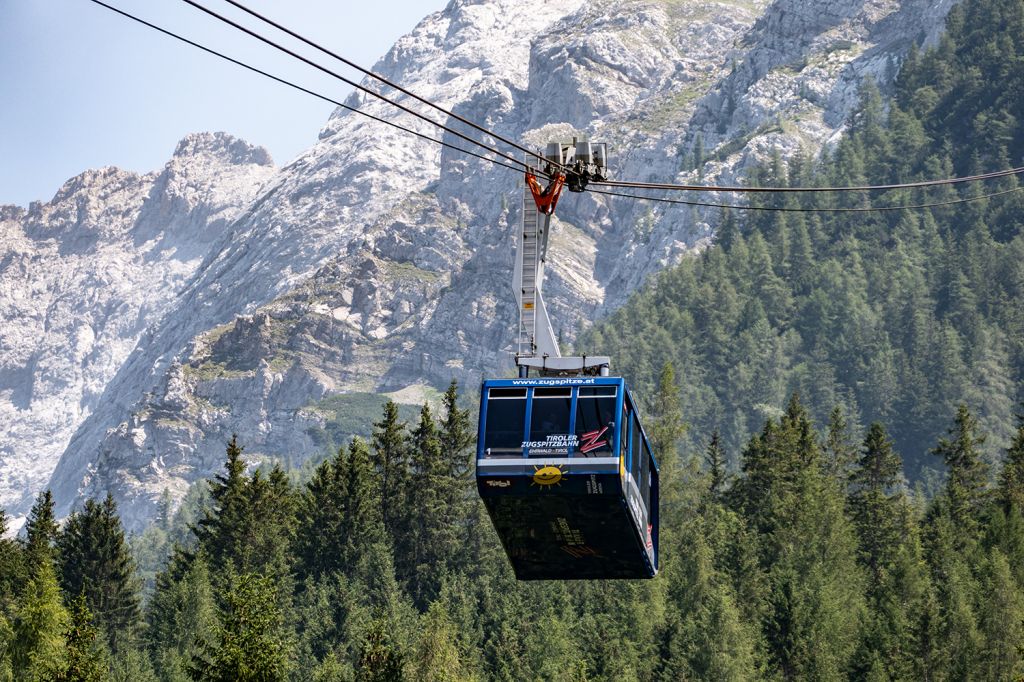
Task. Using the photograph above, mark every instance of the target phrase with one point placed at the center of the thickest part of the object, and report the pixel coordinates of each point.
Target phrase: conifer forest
(835, 401)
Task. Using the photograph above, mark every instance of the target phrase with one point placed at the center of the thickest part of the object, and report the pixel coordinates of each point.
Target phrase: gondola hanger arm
(546, 198)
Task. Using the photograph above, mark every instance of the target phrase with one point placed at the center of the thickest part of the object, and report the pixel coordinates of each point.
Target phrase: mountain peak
(95, 181)
(223, 146)
(11, 212)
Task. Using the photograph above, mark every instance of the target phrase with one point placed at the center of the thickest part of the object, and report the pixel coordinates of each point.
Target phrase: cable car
(563, 465)
(567, 476)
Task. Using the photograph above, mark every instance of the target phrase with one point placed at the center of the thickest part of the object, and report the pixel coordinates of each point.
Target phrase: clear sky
(81, 87)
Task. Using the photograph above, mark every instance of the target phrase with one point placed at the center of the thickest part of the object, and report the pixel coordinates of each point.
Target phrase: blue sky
(83, 88)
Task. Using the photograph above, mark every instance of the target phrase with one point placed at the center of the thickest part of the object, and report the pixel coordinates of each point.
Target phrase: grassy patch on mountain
(350, 414)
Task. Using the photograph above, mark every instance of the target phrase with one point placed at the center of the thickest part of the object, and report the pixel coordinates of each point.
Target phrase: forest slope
(896, 316)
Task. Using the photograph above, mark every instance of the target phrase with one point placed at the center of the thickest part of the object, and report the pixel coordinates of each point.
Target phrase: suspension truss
(569, 165)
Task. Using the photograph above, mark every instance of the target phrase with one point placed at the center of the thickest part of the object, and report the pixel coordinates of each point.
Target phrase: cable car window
(593, 391)
(624, 436)
(507, 393)
(645, 478)
(552, 392)
(549, 422)
(506, 421)
(634, 466)
(595, 421)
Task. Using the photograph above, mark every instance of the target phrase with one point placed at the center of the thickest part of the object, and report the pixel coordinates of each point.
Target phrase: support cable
(520, 165)
(785, 209)
(300, 88)
(350, 82)
(389, 83)
(861, 188)
(608, 183)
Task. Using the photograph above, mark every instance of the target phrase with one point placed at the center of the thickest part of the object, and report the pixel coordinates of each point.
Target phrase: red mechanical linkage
(546, 199)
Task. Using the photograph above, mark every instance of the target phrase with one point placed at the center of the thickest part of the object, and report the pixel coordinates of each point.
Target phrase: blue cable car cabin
(567, 476)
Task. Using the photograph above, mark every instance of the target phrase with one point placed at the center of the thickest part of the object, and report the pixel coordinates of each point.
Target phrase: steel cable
(522, 165)
(787, 209)
(300, 88)
(388, 82)
(856, 188)
(350, 82)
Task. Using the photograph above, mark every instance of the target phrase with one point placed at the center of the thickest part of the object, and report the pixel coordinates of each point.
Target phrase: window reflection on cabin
(595, 410)
(549, 418)
(506, 417)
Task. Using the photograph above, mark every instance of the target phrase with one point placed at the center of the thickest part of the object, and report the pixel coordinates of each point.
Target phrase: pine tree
(250, 643)
(801, 259)
(775, 466)
(391, 460)
(134, 665)
(40, 533)
(362, 528)
(456, 436)
(1011, 481)
(321, 514)
(840, 452)
(956, 637)
(6, 644)
(95, 562)
(869, 123)
(876, 504)
(85, 658)
(698, 155)
(965, 486)
(181, 614)
(12, 568)
(329, 613)
(332, 669)
(39, 649)
(898, 586)
(252, 524)
(437, 657)
(502, 619)
(267, 527)
(483, 551)
(550, 648)
(1001, 622)
(379, 659)
(219, 532)
(714, 459)
(706, 637)
(432, 539)
(165, 511)
(814, 587)
(728, 231)
(899, 631)
(667, 428)
(750, 494)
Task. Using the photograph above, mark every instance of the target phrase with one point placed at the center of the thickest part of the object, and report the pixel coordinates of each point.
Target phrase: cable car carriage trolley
(563, 464)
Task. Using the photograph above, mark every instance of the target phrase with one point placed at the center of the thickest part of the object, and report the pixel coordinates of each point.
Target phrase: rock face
(377, 263)
(82, 278)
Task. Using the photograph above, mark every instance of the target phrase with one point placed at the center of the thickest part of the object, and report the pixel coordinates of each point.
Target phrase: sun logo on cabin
(547, 476)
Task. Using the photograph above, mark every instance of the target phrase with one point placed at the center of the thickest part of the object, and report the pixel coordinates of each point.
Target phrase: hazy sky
(81, 87)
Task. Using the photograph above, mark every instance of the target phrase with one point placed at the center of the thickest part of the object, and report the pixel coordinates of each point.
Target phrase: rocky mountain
(376, 263)
(84, 276)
